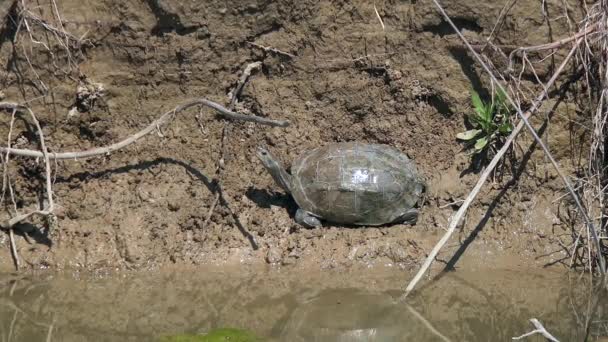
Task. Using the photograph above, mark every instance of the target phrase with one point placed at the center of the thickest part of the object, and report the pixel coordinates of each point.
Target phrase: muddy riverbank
(334, 71)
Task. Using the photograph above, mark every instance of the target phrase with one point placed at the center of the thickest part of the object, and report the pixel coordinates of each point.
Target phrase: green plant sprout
(491, 122)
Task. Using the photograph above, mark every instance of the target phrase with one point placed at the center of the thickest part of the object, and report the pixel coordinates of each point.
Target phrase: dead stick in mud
(220, 167)
(241, 84)
(49, 190)
(524, 121)
(540, 329)
(14, 252)
(539, 141)
(271, 49)
(133, 138)
(553, 45)
(484, 176)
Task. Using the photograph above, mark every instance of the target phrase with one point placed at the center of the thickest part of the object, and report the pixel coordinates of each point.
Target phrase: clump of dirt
(328, 67)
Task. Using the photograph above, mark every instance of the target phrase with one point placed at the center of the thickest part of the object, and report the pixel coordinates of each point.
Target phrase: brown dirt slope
(406, 85)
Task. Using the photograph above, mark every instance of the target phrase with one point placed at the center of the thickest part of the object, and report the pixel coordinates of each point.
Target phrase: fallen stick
(49, 191)
(14, 252)
(539, 141)
(244, 77)
(133, 138)
(236, 92)
(271, 49)
(461, 211)
(539, 330)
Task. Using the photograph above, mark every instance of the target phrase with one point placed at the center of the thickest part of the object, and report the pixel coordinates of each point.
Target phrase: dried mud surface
(407, 85)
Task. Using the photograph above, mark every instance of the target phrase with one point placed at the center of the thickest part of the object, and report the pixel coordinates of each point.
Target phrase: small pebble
(273, 256)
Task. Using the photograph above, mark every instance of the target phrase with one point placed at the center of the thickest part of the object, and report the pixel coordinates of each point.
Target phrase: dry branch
(8, 224)
(484, 176)
(244, 77)
(133, 138)
(49, 191)
(524, 121)
(540, 329)
(532, 131)
(14, 252)
(272, 50)
(234, 95)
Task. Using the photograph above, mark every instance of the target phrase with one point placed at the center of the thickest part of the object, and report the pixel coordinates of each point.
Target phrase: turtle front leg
(306, 219)
(408, 217)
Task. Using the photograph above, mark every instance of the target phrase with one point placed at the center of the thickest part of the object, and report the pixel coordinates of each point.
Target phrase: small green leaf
(481, 143)
(468, 135)
(505, 128)
(489, 112)
(477, 103)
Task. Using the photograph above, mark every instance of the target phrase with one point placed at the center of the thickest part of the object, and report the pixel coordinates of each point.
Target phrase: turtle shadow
(266, 199)
(389, 225)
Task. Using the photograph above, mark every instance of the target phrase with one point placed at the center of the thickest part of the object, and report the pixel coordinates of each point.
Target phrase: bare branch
(14, 252)
(524, 121)
(239, 88)
(532, 131)
(539, 330)
(133, 138)
(272, 50)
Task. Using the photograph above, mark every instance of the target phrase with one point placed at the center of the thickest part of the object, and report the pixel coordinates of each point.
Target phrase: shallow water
(296, 305)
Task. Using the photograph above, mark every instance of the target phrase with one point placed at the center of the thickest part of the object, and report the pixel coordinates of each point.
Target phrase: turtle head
(275, 169)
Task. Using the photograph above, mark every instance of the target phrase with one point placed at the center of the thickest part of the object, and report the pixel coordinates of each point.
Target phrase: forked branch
(162, 120)
(524, 122)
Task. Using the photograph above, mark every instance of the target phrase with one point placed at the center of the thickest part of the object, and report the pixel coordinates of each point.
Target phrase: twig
(5, 177)
(427, 324)
(271, 49)
(539, 330)
(212, 208)
(503, 13)
(378, 16)
(133, 138)
(14, 252)
(482, 179)
(556, 44)
(539, 141)
(218, 174)
(49, 191)
(244, 77)
(220, 165)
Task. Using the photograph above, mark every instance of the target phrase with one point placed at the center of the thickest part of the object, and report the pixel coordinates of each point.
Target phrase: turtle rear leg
(306, 219)
(408, 217)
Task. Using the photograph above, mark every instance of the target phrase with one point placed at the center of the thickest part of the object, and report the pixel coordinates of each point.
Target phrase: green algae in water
(215, 335)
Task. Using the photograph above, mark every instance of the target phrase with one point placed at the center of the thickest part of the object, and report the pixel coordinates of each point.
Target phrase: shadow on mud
(211, 185)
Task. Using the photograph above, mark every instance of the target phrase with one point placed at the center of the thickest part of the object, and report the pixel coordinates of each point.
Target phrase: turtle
(351, 183)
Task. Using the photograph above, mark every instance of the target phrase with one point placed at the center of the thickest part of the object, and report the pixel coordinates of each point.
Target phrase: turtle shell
(356, 183)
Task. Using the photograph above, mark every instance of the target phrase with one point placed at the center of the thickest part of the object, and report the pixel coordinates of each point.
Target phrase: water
(295, 305)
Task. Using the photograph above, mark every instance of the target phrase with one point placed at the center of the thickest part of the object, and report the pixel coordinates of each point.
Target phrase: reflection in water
(287, 305)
